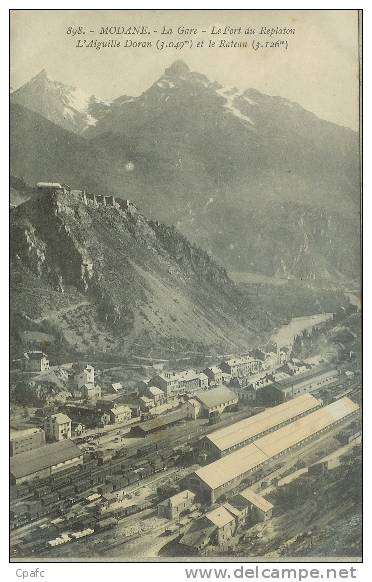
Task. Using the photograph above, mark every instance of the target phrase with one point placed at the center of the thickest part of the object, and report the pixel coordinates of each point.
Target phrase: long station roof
(43, 457)
(239, 432)
(232, 466)
(305, 427)
(251, 456)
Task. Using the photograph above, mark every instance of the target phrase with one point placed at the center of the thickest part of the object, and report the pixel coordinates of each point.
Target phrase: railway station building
(225, 440)
(44, 461)
(218, 478)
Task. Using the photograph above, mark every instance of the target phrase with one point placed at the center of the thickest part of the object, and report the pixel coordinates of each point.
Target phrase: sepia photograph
(185, 285)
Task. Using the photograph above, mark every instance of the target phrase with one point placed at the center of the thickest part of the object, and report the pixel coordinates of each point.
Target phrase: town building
(224, 523)
(133, 402)
(83, 375)
(243, 389)
(203, 381)
(168, 382)
(225, 474)
(35, 361)
(172, 507)
(193, 408)
(120, 413)
(156, 394)
(259, 508)
(214, 375)
(216, 400)
(44, 461)
(243, 366)
(90, 391)
(26, 440)
(295, 366)
(225, 440)
(146, 403)
(215, 527)
(117, 387)
(198, 535)
(286, 386)
(189, 382)
(57, 427)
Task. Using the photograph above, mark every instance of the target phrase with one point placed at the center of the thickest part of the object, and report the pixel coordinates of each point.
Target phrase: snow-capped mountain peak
(62, 104)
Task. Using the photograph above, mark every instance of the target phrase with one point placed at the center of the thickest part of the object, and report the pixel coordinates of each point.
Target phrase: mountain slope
(249, 145)
(41, 150)
(258, 181)
(102, 279)
(62, 104)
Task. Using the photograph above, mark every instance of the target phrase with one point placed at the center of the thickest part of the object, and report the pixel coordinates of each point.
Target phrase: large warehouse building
(226, 473)
(44, 461)
(294, 386)
(232, 437)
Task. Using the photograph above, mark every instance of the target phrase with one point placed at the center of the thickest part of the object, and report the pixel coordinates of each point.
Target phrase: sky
(318, 70)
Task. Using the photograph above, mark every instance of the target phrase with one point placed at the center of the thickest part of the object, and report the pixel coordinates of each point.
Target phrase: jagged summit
(177, 68)
(64, 105)
(43, 74)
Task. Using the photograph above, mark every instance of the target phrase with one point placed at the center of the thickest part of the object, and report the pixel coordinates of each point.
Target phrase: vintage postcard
(185, 278)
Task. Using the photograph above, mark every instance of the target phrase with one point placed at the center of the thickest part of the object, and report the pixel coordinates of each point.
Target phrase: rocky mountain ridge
(101, 279)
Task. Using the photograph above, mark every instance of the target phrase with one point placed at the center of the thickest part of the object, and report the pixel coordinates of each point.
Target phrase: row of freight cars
(71, 528)
(60, 491)
(95, 461)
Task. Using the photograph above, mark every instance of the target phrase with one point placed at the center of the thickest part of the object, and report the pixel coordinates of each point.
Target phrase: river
(285, 335)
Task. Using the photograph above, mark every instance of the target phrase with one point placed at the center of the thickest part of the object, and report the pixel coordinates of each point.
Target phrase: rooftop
(164, 420)
(219, 516)
(188, 375)
(215, 396)
(19, 433)
(178, 498)
(193, 402)
(120, 409)
(34, 355)
(239, 361)
(306, 378)
(232, 466)
(233, 509)
(60, 418)
(42, 458)
(236, 433)
(198, 532)
(155, 391)
(302, 428)
(214, 369)
(251, 456)
(256, 499)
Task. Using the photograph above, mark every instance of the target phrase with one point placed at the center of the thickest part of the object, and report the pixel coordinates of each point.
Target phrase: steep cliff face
(106, 279)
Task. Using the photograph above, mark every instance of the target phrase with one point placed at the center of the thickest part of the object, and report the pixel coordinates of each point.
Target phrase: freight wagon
(105, 488)
(50, 499)
(150, 448)
(105, 524)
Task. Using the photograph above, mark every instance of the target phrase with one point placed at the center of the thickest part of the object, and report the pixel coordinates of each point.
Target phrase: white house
(57, 427)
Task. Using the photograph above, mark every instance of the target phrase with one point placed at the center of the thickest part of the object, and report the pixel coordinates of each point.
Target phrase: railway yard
(107, 506)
